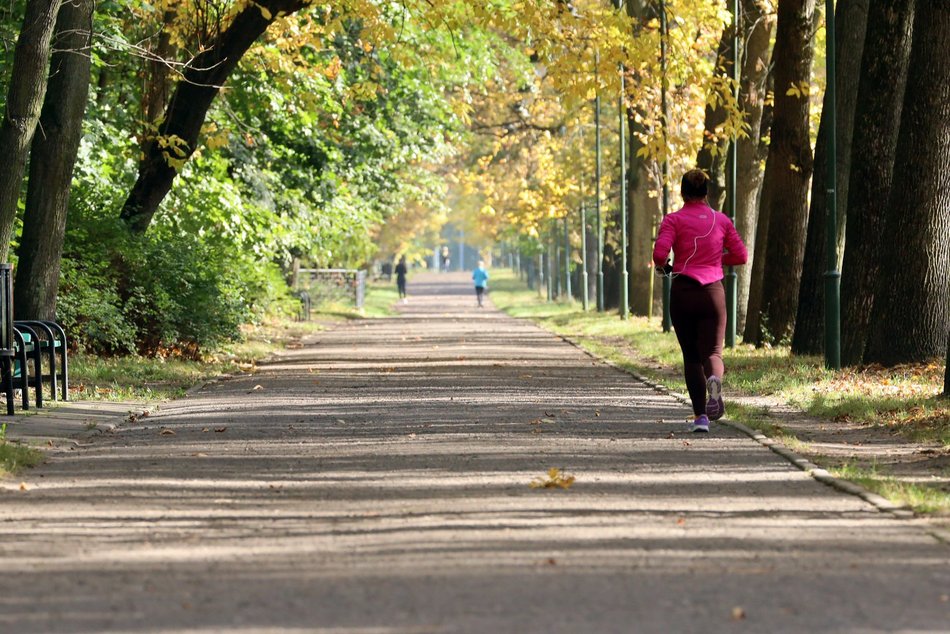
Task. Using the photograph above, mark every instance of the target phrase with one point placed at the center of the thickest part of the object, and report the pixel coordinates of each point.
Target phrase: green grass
(921, 498)
(380, 298)
(903, 399)
(14, 456)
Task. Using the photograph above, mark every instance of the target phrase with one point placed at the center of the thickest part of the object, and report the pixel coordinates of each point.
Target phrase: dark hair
(695, 185)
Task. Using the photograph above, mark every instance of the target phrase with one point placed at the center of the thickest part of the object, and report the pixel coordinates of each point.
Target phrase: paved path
(376, 481)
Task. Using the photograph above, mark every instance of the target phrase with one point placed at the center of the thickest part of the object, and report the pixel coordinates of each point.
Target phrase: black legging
(699, 319)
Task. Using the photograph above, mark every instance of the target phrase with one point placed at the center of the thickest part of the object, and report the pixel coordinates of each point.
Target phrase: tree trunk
(24, 101)
(189, 105)
(787, 170)
(757, 26)
(713, 154)
(643, 212)
(946, 371)
(52, 157)
(911, 313)
(850, 20)
(877, 122)
(157, 71)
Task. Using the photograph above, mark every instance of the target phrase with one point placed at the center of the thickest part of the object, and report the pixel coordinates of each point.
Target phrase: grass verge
(14, 456)
(902, 401)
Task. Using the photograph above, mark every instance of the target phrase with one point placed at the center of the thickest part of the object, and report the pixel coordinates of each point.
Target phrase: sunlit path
(376, 481)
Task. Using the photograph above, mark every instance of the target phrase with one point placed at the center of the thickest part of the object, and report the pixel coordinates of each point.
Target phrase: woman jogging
(702, 241)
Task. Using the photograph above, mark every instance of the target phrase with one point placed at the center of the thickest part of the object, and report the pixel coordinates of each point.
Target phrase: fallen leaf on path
(167, 432)
(548, 420)
(596, 412)
(23, 486)
(738, 613)
(205, 430)
(220, 429)
(554, 479)
(551, 561)
(257, 387)
(200, 455)
(340, 421)
(680, 521)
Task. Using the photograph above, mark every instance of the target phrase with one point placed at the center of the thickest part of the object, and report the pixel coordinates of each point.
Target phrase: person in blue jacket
(480, 277)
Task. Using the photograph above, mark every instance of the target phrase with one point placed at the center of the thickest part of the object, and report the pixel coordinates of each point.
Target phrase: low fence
(332, 285)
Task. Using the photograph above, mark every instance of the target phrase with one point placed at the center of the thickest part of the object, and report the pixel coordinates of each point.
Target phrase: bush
(160, 293)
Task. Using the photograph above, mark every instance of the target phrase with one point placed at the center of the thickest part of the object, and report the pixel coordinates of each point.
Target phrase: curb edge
(817, 473)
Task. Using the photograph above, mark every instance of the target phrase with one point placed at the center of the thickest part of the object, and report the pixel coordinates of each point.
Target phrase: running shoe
(715, 408)
(700, 425)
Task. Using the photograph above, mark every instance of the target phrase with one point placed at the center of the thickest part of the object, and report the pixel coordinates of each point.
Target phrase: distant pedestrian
(480, 277)
(401, 271)
(445, 261)
(702, 241)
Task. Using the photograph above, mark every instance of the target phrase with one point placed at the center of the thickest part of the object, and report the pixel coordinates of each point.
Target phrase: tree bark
(911, 314)
(946, 372)
(53, 156)
(787, 170)
(188, 107)
(157, 75)
(757, 26)
(876, 126)
(24, 102)
(713, 154)
(643, 212)
(851, 20)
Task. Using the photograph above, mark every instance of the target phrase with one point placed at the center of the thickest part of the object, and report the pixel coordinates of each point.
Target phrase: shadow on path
(377, 480)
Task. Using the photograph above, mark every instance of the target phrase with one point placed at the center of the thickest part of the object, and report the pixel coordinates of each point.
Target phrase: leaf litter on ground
(554, 479)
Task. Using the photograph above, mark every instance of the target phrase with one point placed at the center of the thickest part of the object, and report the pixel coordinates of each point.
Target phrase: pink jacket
(702, 240)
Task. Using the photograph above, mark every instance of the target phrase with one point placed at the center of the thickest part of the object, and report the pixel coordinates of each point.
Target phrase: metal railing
(329, 285)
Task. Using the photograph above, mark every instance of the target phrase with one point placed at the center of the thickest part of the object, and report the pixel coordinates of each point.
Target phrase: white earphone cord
(696, 240)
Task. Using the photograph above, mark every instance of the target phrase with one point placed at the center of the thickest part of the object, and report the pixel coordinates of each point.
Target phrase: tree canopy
(225, 140)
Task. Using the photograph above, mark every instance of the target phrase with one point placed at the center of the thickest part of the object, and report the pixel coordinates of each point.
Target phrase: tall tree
(202, 79)
(24, 101)
(713, 154)
(877, 122)
(643, 211)
(911, 314)
(787, 172)
(757, 27)
(946, 372)
(52, 158)
(850, 21)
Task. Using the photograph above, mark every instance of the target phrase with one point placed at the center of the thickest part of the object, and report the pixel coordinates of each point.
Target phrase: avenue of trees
(169, 161)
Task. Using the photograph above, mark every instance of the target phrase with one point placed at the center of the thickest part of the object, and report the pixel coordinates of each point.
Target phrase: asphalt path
(377, 480)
